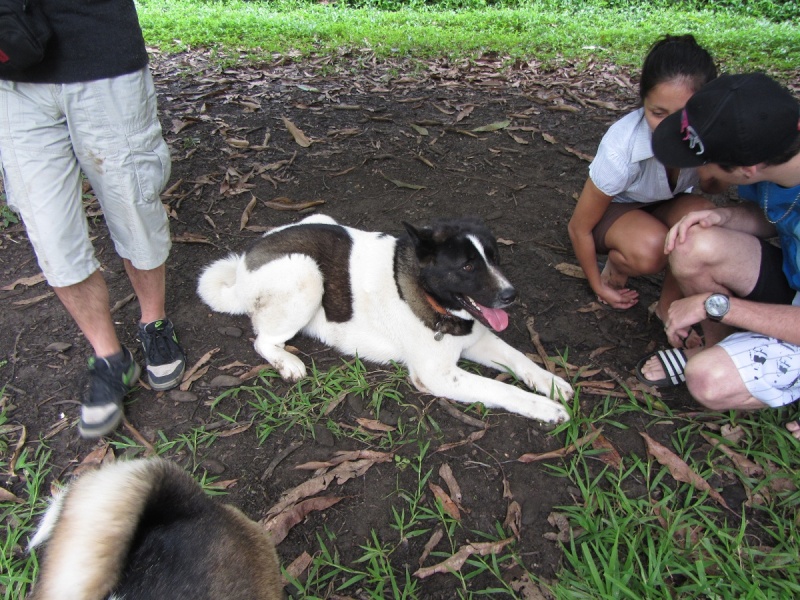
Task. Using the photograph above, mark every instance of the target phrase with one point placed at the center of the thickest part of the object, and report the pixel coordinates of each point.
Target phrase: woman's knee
(645, 255)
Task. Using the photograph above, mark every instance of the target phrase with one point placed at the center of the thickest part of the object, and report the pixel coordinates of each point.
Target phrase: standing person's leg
(166, 360)
(43, 182)
(121, 149)
(87, 303)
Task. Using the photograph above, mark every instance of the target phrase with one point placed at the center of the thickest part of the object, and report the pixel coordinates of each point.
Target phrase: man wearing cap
(739, 129)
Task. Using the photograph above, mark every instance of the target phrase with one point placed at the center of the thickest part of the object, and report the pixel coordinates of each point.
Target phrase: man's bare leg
(87, 303)
(164, 356)
(114, 373)
(150, 288)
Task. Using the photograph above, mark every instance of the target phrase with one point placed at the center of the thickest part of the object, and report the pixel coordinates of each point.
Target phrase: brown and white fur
(426, 300)
(144, 530)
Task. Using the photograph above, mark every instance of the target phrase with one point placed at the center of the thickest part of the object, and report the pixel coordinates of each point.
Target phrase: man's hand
(682, 314)
(704, 218)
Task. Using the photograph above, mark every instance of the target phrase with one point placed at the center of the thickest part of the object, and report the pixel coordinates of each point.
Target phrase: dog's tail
(217, 285)
(90, 527)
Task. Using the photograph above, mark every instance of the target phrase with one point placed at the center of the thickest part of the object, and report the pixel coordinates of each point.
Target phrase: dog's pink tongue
(496, 317)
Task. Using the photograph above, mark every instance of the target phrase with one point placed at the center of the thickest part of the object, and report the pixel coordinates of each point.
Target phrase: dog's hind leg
(285, 303)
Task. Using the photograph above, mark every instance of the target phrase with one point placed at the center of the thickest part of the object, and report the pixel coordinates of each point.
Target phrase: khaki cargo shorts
(107, 129)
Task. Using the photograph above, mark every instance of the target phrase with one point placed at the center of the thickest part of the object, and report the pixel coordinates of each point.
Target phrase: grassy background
(607, 31)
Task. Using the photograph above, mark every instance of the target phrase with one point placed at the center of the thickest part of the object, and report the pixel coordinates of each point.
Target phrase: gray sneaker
(110, 381)
(165, 357)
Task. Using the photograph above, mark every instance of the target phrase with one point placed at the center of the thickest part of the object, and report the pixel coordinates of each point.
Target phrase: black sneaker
(110, 381)
(165, 357)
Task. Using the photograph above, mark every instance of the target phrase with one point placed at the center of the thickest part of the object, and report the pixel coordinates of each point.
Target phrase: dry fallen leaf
(418, 128)
(248, 210)
(34, 300)
(403, 184)
(455, 562)
(561, 452)
(341, 473)
(344, 456)
(472, 437)
(191, 238)
(571, 270)
(297, 134)
(299, 565)
(447, 502)
(579, 154)
(6, 496)
(284, 203)
(513, 520)
(446, 473)
(464, 112)
(497, 125)
(373, 425)
(189, 375)
(609, 454)
(678, 468)
(280, 524)
(26, 281)
(435, 538)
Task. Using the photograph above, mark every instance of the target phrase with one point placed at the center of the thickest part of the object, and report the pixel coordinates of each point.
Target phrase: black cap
(737, 120)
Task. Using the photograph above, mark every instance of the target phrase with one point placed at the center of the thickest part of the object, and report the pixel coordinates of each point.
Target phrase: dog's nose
(508, 295)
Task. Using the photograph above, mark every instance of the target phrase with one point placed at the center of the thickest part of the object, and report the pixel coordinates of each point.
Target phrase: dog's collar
(436, 306)
(447, 322)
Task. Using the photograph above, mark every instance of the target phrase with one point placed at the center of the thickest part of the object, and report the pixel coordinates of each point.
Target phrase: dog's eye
(469, 267)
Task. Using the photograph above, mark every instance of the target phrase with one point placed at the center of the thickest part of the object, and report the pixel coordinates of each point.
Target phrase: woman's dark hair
(676, 57)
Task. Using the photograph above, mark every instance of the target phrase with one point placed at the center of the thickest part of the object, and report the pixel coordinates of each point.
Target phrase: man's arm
(780, 321)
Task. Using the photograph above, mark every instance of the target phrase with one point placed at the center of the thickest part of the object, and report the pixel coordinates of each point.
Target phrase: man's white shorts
(769, 367)
(108, 129)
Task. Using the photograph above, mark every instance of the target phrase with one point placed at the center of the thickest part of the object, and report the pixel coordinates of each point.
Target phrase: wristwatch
(717, 306)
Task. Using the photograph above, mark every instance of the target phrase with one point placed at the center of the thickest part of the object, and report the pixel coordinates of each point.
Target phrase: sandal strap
(674, 363)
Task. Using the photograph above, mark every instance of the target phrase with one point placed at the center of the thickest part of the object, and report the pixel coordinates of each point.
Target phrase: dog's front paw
(560, 388)
(551, 385)
(560, 414)
(544, 410)
(290, 368)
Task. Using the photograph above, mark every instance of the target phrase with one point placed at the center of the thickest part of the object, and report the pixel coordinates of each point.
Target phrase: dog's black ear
(422, 239)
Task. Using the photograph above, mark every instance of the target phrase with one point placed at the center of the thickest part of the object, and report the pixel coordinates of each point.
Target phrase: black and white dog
(144, 530)
(425, 299)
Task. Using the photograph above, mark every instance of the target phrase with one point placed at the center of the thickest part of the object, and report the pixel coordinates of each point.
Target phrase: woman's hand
(617, 298)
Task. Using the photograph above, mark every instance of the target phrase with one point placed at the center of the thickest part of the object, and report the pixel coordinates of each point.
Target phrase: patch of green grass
(638, 533)
(7, 216)
(18, 519)
(375, 575)
(546, 31)
(307, 403)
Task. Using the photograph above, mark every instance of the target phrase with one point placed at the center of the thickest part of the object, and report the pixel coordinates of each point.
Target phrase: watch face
(717, 305)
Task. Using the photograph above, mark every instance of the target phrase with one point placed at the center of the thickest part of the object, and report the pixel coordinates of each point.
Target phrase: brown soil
(375, 127)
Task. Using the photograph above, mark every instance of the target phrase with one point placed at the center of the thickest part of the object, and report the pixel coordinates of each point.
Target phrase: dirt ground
(389, 143)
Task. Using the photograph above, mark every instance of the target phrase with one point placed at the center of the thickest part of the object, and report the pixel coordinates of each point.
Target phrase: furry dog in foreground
(425, 299)
(144, 530)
